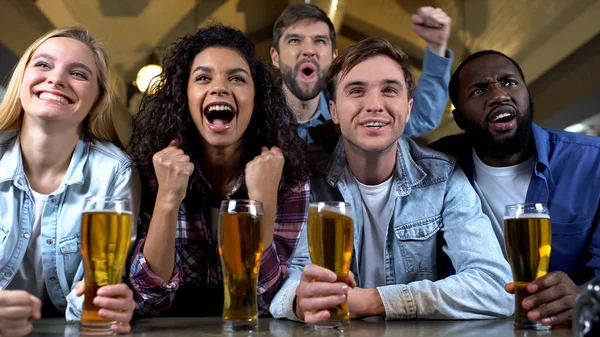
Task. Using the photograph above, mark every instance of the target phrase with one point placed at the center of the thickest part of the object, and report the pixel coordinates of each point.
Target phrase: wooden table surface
(211, 326)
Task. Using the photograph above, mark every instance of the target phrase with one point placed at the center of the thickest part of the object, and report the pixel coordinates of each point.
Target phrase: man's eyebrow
(292, 35)
(353, 83)
(392, 81)
(320, 36)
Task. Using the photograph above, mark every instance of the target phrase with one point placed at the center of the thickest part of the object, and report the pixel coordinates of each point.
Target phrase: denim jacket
(435, 215)
(96, 168)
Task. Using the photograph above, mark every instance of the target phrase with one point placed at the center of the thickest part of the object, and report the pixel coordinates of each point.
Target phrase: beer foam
(528, 216)
(107, 211)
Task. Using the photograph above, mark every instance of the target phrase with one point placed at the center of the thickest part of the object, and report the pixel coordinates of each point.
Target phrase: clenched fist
(263, 175)
(173, 170)
(433, 26)
(17, 310)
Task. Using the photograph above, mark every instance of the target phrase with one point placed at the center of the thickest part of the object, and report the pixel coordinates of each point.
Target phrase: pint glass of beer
(106, 232)
(241, 246)
(330, 234)
(528, 238)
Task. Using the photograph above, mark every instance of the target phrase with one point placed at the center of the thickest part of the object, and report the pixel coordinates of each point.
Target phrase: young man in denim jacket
(412, 207)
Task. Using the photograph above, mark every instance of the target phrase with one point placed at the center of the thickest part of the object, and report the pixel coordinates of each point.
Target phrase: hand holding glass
(330, 244)
(106, 232)
(528, 238)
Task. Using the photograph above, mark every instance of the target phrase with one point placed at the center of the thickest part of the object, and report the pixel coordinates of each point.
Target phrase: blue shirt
(566, 177)
(96, 168)
(430, 99)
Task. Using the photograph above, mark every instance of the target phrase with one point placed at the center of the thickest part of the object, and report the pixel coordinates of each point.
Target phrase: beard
(290, 79)
(503, 147)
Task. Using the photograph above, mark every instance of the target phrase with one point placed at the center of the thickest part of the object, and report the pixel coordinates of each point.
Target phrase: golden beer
(240, 248)
(528, 244)
(105, 240)
(330, 244)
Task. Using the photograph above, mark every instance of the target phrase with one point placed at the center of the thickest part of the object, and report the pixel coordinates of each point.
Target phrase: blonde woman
(57, 145)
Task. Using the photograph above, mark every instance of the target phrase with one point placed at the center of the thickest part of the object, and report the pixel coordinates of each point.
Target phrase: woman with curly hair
(215, 127)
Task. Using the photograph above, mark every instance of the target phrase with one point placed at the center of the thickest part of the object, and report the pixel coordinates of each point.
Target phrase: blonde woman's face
(60, 83)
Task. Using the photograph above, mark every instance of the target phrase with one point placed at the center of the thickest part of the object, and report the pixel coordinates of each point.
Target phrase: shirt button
(421, 234)
(49, 241)
(53, 200)
(7, 274)
(52, 278)
(26, 235)
(62, 306)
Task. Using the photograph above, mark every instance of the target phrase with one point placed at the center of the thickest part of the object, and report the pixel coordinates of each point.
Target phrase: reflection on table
(211, 326)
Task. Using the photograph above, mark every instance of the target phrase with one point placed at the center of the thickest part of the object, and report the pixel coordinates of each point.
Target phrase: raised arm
(431, 94)
(156, 267)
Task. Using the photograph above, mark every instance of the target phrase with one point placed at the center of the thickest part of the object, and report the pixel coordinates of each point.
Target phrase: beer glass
(106, 232)
(528, 238)
(330, 234)
(241, 246)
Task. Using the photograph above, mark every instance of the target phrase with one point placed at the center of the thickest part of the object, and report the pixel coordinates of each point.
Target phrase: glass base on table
(240, 325)
(96, 328)
(530, 325)
(340, 325)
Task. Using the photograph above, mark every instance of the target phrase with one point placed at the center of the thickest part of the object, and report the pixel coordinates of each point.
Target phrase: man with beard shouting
(509, 159)
(304, 47)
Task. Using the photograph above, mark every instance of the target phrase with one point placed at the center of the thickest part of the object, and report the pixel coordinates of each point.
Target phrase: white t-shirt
(30, 276)
(376, 217)
(501, 186)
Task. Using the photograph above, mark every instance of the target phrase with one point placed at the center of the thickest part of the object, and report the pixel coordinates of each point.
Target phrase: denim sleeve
(431, 95)
(476, 291)
(282, 305)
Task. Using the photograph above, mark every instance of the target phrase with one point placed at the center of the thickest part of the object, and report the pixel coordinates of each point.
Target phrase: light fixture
(148, 75)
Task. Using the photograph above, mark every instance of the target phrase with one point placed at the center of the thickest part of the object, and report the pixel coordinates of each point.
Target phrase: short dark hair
(453, 86)
(365, 49)
(296, 13)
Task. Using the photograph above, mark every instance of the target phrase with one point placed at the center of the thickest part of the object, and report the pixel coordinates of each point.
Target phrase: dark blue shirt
(566, 177)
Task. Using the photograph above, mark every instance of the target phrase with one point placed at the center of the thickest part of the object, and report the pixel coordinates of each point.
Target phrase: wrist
(167, 201)
(375, 307)
(438, 49)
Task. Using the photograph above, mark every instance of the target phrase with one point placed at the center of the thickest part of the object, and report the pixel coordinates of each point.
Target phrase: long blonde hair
(99, 122)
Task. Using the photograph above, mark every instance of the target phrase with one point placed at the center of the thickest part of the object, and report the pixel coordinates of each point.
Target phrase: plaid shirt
(196, 258)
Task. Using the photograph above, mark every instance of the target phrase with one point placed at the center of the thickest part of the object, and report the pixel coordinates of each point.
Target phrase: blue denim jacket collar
(11, 166)
(408, 173)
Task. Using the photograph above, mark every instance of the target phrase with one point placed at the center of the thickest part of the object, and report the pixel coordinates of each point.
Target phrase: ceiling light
(147, 76)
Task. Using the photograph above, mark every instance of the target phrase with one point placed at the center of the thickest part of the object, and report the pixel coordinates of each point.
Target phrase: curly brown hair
(164, 114)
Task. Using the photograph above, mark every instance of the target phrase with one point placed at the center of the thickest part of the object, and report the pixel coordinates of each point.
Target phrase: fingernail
(345, 288)
(547, 321)
(96, 301)
(100, 292)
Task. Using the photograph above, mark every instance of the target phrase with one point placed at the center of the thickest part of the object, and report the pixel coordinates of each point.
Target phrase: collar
(408, 173)
(11, 165)
(322, 113)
